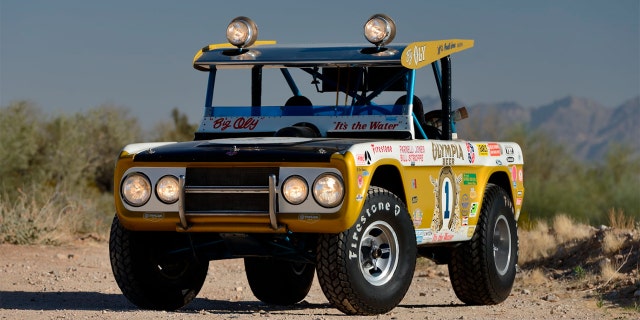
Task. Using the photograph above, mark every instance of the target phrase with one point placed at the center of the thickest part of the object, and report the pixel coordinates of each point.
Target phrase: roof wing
(419, 54)
(412, 56)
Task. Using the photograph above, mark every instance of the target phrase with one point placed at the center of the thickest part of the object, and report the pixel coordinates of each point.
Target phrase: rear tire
(147, 275)
(368, 268)
(279, 282)
(483, 270)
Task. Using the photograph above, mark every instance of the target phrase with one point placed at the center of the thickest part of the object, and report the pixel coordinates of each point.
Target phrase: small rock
(551, 298)
(525, 292)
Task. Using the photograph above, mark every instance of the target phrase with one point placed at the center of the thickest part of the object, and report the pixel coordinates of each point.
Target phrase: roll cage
(361, 73)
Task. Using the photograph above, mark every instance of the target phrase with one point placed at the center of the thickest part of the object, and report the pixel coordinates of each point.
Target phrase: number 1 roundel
(447, 195)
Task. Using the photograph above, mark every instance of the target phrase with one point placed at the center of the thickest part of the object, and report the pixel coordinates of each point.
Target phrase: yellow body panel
(422, 187)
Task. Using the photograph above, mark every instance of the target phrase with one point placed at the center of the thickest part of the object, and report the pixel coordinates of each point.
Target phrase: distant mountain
(584, 126)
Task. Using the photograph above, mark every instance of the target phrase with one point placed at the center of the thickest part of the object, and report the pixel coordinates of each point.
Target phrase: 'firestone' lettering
(380, 149)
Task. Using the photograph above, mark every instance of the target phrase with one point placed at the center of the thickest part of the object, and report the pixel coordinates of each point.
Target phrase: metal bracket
(183, 218)
(272, 202)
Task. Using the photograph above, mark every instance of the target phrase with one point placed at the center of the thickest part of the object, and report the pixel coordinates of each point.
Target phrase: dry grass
(612, 242)
(609, 270)
(618, 220)
(44, 216)
(536, 243)
(566, 229)
(534, 278)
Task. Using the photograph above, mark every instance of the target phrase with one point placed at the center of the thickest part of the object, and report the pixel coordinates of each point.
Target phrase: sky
(69, 56)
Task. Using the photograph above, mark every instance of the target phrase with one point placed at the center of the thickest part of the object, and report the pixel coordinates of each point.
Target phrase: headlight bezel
(127, 196)
(161, 195)
(293, 179)
(317, 194)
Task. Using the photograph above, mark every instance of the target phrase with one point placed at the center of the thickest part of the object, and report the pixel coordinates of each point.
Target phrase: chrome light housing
(168, 189)
(295, 190)
(136, 189)
(328, 190)
(242, 32)
(380, 29)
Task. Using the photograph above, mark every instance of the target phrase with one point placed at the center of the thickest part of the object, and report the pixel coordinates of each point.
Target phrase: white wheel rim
(502, 245)
(378, 253)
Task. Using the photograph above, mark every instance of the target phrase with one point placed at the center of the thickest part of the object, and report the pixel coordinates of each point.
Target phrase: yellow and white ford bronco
(319, 160)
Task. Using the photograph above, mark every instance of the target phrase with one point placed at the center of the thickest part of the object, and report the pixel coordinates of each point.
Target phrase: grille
(227, 190)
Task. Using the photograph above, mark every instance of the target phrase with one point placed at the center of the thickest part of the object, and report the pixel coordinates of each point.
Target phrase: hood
(261, 149)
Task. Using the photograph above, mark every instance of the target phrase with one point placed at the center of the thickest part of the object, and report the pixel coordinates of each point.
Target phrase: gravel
(75, 282)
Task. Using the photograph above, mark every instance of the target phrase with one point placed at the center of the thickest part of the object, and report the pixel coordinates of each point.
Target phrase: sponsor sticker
(494, 149)
(473, 212)
(471, 153)
(417, 217)
(483, 150)
(469, 179)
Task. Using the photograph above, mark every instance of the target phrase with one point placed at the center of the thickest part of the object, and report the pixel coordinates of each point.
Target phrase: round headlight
(242, 32)
(168, 189)
(295, 190)
(380, 29)
(136, 189)
(328, 190)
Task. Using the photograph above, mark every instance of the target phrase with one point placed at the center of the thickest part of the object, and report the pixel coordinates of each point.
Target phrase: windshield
(333, 100)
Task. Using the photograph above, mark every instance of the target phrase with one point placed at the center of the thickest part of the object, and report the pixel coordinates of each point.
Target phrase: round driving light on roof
(136, 189)
(242, 32)
(295, 190)
(380, 29)
(168, 189)
(328, 190)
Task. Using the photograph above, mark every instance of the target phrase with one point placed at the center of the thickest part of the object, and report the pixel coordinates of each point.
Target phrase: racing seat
(431, 131)
(298, 106)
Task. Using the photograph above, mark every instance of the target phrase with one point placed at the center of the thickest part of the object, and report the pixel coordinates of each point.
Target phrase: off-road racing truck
(341, 173)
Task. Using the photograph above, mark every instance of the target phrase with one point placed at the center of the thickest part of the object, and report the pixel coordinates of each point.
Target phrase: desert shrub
(556, 182)
(58, 172)
(20, 141)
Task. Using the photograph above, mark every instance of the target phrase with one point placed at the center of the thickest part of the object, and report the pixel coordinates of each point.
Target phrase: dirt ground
(75, 282)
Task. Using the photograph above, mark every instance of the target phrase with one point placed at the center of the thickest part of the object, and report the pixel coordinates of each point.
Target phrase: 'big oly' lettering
(240, 123)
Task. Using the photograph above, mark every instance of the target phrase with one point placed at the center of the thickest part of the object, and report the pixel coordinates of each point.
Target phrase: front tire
(279, 282)
(483, 270)
(147, 275)
(368, 268)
